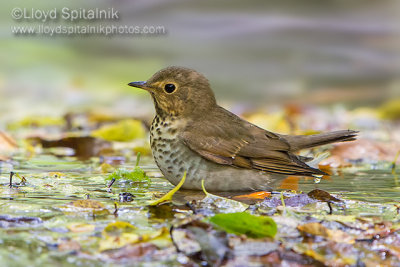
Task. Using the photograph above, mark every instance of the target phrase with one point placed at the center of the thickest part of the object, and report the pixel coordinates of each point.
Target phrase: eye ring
(169, 88)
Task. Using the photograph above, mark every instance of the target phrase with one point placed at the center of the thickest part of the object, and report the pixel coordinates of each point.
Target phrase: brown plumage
(189, 123)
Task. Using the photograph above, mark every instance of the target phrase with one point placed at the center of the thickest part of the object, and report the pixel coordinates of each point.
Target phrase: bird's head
(179, 91)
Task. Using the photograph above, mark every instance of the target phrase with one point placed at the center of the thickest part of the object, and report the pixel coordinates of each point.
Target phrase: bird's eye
(169, 88)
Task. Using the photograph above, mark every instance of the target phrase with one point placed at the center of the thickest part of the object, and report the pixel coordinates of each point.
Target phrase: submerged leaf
(320, 230)
(87, 205)
(221, 204)
(244, 223)
(80, 227)
(119, 234)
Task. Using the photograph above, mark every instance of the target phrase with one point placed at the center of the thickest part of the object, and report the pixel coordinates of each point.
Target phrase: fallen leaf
(84, 147)
(290, 183)
(136, 175)
(7, 143)
(168, 196)
(244, 223)
(119, 234)
(37, 121)
(69, 245)
(362, 150)
(199, 241)
(390, 110)
(123, 131)
(322, 195)
(80, 227)
(276, 122)
(132, 251)
(318, 229)
(256, 196)
(88, 205)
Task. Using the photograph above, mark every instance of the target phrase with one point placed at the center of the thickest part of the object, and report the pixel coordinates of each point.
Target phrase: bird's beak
(142, 85)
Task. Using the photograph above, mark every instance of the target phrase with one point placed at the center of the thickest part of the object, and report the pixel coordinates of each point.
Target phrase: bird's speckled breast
(169, 153)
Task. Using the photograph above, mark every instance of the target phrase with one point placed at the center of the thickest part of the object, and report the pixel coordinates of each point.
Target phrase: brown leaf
(69, 245)
(7, 144)
(84, 147)
(362, 149)
(320, 230)
(134, 251)
(290, 183)
(322, 195)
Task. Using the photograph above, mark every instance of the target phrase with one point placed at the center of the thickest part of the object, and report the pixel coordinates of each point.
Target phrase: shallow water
(43, 204)
(378, 185)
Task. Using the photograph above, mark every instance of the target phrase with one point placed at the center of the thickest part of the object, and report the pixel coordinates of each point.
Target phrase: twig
(111, 183)
(11, 176)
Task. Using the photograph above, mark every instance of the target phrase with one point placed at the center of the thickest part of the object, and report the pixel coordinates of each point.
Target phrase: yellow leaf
(117, 228)
(274, 121)
(88, 204)
(168, 196)
(390, 110)
(80, 227)
(123, 131)
(106, 168)
(37, 121)
(119, 234)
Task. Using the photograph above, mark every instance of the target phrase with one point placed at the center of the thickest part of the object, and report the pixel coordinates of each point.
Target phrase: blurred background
(255, 53)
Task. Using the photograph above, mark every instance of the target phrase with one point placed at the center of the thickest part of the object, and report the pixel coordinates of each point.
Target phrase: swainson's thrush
(190, 132)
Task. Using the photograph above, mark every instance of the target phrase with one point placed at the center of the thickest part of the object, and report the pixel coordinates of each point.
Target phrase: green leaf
(136, 175)
(244, 223)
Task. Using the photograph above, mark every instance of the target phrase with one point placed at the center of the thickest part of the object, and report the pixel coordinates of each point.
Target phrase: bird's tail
(298, 142)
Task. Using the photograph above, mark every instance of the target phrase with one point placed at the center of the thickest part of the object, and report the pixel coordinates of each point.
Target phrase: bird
(191, 133)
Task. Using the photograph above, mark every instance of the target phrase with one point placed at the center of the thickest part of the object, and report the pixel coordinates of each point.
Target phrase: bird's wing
(242, 144)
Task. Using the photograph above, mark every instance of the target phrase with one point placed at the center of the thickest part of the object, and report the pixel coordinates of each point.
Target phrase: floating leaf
(244, 223)
(261, 195)
(87, 205)
(136, 175)
(123, 131)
